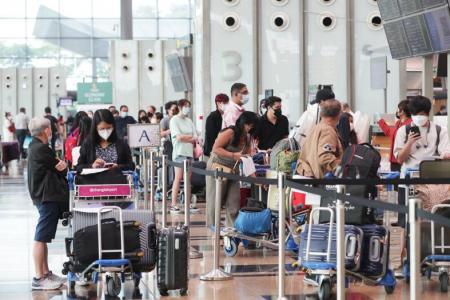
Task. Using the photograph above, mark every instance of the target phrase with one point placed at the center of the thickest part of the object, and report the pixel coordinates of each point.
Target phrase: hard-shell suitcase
(173, 260)
(198, 180)
(319, 243)
(375, 251)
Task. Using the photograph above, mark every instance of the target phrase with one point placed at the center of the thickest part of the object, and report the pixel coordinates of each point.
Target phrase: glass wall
(76, 34)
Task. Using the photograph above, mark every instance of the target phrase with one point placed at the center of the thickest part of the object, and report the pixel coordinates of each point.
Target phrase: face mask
(186, 110)
(397, 115)
(278, 112)
(124, 114)
(105, 133)
(49, 136)
(420, 120)
(220, 107)
(153, 121)
(352, 127)
(245, 99)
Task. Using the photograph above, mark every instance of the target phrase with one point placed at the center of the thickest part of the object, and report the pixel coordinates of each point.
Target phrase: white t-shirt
(423, 149)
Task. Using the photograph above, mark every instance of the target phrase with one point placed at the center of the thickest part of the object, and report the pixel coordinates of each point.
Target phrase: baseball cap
(322, 95)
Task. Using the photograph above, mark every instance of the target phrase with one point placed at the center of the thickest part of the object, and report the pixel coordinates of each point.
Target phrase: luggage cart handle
(330, 232)
(433, 237)
(99, 224)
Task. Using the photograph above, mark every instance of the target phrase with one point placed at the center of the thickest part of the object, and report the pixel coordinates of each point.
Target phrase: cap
(322, 95)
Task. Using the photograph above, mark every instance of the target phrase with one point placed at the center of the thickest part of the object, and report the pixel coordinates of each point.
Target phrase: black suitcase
(173, 256)
(375, 251)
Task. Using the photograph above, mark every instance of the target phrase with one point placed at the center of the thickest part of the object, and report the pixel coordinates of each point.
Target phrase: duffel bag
(254, 222)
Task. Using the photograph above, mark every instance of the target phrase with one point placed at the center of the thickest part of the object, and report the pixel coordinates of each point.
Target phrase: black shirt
(269, 134)
(212, 129)
(54, 124)
(121, 125)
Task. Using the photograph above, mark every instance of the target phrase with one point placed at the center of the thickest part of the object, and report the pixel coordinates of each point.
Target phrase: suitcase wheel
(389, 289)
(230, 246)
(163, 292)
(183, 292)
(113, 285)
(325, 290)
(443, 281)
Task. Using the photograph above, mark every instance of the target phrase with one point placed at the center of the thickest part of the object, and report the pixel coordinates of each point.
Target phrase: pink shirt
(231, 113)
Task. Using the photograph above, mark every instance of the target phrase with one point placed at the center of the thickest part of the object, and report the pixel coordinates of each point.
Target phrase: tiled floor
(254, 271)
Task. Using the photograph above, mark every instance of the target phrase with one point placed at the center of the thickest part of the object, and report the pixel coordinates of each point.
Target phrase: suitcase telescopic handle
(330, 232)
(99, 224)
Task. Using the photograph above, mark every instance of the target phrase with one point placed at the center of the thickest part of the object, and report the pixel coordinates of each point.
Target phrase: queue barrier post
(145, 171)
(281, 235)
(152, 181)
(414, 247)
(193, 253)
(216, 274)
(340, 245)
(164, 190)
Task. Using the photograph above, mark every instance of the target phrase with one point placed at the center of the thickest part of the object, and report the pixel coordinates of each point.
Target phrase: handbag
(12, 128)
(225, 169)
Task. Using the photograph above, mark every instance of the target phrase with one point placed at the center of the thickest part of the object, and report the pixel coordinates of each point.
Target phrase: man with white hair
(47, 187)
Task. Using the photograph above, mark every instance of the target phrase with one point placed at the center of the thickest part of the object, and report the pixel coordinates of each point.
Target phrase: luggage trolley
(112, 267)
(441, 262)
(322, 268)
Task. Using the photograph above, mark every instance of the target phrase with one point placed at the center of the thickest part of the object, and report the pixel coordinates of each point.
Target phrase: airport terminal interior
(224, 149)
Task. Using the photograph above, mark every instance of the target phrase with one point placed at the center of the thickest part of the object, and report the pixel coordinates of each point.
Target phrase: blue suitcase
(319, 243)
(375, 250)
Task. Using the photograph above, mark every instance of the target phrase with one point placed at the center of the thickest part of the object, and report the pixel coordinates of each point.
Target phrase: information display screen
(416, 27)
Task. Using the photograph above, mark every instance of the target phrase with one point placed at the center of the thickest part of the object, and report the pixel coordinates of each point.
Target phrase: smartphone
(415, 130)
(108, 165)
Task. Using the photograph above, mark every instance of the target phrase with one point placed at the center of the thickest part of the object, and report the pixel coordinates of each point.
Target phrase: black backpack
(360, 161)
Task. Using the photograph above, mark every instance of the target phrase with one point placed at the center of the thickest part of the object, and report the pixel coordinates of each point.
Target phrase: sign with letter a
(144, 135)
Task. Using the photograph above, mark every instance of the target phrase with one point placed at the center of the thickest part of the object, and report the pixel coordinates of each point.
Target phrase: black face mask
(397, 115)
(252, 131)
(278, 112)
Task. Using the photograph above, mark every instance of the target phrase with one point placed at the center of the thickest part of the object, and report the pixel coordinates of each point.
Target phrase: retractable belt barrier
(304, 185)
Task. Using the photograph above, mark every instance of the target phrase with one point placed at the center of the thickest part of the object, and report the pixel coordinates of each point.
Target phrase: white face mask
(124, 114)
(153, 121)
(186, 110)
(105, 133)
(419, 120)
(245, 99)
(352, 127)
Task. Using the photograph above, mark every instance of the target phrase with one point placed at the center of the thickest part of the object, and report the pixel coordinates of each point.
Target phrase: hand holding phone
(415, 130)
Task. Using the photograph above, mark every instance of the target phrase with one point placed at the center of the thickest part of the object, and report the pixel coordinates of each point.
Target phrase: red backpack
(71, 142)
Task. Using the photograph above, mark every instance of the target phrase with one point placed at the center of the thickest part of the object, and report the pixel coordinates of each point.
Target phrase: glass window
(79, 28)
(174, 9)
(12, 28)
(145, 8)
(101, 48)
(43, 48)
(76, 9)
(107, 28)
(12, 9)
(75, 47)
(144, 29)
(173, 28)
(13, 62)
(42, 8)
(44, 62)
(13, 48)
(42, 28)
(102, 67)
(106, 8)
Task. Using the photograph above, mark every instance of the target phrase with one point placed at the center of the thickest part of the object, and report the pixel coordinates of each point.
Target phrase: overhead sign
(94, 93)
(144, 135)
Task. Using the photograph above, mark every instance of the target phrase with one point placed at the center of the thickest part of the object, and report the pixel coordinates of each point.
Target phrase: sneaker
(45, 284)
(55, 278)
(174, 209)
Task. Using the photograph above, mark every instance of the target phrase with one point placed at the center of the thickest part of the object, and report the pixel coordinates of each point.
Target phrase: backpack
(71, 142)
(438, 139)
(360, 161)
(283, 154)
